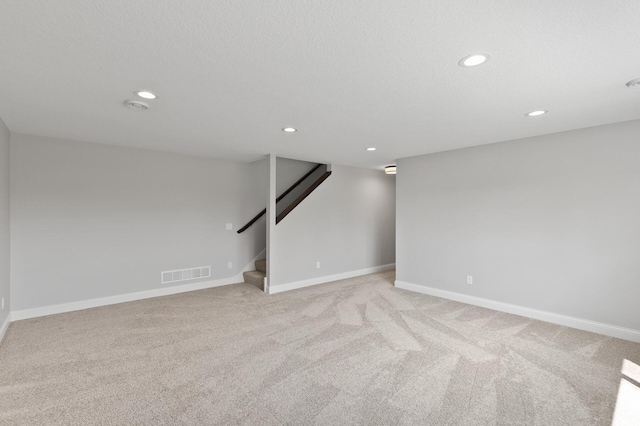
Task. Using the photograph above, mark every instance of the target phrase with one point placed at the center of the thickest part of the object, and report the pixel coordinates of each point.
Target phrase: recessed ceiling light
(136, 104)
(146, 94)
(289, 130)
(371, 148)
(536, 113)
(390, 170)
(634, 84)
(474, 60)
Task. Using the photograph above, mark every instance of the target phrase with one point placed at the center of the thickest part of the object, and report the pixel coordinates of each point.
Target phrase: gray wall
(550, 222)
(94, 220)
(4, 221)
(253, 202)
(347, 224)
(257, 182)
(289, 171)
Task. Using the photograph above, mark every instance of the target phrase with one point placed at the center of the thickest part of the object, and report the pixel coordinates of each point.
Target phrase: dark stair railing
(302, 196)
(296, 201)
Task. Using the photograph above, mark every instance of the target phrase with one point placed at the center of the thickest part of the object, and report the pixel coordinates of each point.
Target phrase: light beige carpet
(356, 351)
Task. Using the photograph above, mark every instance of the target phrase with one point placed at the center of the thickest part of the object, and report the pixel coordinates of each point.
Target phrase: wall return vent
(185, 274)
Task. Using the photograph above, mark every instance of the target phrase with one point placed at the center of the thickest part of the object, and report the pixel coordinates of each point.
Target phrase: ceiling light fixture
(634, 84)
(474, 60)
(145, 94)
(289, 130)
(136, 104)
(371, 148)
(390, 170)
(536, 113)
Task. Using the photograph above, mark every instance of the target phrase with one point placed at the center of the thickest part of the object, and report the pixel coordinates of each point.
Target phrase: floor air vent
(186, 274)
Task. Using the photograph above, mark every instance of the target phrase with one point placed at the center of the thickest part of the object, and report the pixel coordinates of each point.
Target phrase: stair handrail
(302, 196)
(284, 194)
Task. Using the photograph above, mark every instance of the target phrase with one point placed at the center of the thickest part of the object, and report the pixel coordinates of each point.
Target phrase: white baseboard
(273, 289)
(579, 323)
(129, 297)
(4, 327)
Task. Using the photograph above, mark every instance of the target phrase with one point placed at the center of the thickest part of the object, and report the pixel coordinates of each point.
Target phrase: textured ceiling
(347, 74)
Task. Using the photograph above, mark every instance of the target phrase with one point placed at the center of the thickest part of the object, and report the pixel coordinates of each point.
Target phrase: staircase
(257, 277)
(285, 203)
(293, 196)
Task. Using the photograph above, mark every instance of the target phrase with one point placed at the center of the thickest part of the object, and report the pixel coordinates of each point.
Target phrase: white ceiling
(348, 74)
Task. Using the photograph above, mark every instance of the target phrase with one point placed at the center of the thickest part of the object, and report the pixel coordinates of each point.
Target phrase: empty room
(319, 212)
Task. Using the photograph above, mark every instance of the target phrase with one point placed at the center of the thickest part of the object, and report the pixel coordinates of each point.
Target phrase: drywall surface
(5, 253)
(252, 202)
(346, 224)
(93, 221)
(257, 183)
(270, 201)
(289, 171)
(550, 222)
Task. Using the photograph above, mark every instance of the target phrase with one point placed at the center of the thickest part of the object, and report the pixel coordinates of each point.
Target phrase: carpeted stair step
(255, 278)
(261, 265)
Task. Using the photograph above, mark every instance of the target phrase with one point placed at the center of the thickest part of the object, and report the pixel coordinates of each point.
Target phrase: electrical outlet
(317, 265)
(229, 265)
(469, 279)
(229, 227)
(3, 303)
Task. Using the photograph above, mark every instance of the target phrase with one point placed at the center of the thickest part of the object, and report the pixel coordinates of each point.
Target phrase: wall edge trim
(121, 298)
(328, 278)
(579, 323)
(4, 327)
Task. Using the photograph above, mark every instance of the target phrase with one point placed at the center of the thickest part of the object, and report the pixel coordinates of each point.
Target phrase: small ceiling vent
(136, 104)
